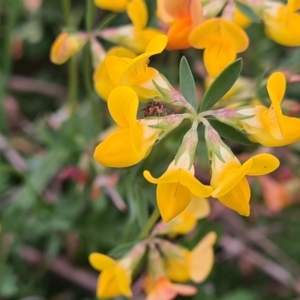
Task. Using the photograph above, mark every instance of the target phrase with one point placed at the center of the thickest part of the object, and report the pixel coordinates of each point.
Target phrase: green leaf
(221, 85)
(247, 11)
(230, 133)
(187, 83)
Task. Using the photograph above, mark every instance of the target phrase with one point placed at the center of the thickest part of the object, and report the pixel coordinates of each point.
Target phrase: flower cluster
(168, 265)
(124, 79)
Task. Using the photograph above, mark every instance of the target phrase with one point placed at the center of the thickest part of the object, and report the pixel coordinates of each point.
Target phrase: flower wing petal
(123, 105)
(262, 164)
(101, 262)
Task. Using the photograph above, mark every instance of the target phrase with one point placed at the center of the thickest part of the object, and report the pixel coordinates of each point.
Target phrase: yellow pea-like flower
(221, 41)
(282, 23)
(175, 190)
(268, 126)
(182, 265)
(229, 178)
(114, 279)
(133, 140)
(134, 72)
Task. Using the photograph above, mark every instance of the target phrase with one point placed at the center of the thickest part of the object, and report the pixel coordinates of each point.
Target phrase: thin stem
(73, 84)
(67, 11)
(151, 222)
(88, 84)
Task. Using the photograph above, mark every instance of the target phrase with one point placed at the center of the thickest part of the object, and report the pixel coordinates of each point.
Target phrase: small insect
(154, 109)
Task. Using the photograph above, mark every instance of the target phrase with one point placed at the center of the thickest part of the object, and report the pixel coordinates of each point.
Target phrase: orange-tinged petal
(177, 8)
(123, 106)
(172, 199)
(202, 258)
(116, 5)
(138, 13)
(238, 198)
(65, 46)
(101, 262)
(117, 151)
(162, 12)
(178, 34)
(262, 164)
(217, 57)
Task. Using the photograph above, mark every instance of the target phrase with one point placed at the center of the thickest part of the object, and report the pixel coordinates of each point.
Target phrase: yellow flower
(103, 84)
(228, 178)
(176, 188)
(65, 46)
(135, 36)
(282, 23)
(182, 17)
(133, 140)
(134, 72)
(268, 126)
(114, 279)
(182, 265)
(116, 5)
(185, 221)
(221, 41)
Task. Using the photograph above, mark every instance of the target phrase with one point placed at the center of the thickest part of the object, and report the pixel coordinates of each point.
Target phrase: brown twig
(25, 84)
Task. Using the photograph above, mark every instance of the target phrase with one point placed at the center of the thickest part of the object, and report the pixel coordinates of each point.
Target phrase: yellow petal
(157, 44)
(199, 208)
(283, 27)
(262, 164)
(221, 31)
(101, 262)
(124, 281)
(108, 286)
(138, 13)
(116, 5)
(182, 224)
(232, 179)
(103, 83)
(238, 197)
(217, 57)
(123, 106)
(177, 265)
(172, 199)
(196, 187)
(116, 67)
(276, 86)
(202, 258)
(117, 151)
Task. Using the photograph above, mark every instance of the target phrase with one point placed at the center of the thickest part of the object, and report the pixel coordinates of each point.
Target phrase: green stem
(151, 222)
(88, 84)
(73, 84)
(67, 11)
